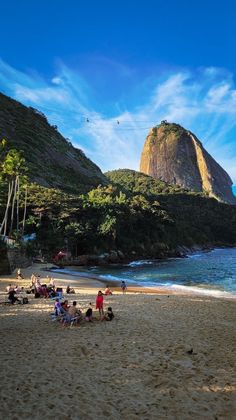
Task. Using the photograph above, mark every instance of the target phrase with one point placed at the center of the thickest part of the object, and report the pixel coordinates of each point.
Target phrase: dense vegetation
(125, 216)
(197, 219)
(133, 182)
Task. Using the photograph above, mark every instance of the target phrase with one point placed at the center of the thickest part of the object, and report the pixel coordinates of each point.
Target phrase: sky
(106, 72)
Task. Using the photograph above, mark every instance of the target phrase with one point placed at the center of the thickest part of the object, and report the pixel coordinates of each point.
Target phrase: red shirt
(99, 302)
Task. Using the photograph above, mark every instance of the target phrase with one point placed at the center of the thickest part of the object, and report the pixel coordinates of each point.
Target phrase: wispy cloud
(203, 101)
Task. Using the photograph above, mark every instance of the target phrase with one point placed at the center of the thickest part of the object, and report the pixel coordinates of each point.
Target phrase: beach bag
(25, 300)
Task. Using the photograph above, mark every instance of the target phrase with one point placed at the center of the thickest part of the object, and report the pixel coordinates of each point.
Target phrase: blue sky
(135, 62)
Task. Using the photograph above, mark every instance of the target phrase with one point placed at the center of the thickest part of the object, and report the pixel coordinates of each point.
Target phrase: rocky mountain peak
(175, 155)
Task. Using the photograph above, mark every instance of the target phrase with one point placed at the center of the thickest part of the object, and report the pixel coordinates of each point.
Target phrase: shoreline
(177, 289)
(89, 283)
(83, 283)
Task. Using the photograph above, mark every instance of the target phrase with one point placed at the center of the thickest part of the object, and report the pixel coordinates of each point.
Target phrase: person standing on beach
(123, 287)
(19, 275)
(99, 304)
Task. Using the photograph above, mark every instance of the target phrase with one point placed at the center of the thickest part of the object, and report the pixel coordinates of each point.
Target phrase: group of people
(108, 316)
(69, 314)
(39, 289)
(49, 289)
(16, 294)
(122, 286)
(46, 290)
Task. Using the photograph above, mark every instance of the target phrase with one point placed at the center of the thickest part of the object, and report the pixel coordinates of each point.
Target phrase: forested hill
(135, 182)
(51, 159)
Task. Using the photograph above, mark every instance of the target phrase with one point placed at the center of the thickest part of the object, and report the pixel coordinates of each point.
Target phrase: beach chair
(58, 315)
(54, 317)
(73, 321)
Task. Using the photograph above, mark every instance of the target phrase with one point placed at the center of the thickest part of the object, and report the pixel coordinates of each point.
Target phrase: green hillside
(139, 183)
(51, 159)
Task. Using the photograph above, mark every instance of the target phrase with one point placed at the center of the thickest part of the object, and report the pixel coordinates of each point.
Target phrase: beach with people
(164, 355)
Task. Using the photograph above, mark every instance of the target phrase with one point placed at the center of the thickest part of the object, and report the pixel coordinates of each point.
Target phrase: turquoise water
(211, 272)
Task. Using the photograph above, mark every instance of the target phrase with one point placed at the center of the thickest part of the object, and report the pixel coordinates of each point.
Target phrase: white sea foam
(201, 291)
(116, 278)
(140, 262)
(194, 255)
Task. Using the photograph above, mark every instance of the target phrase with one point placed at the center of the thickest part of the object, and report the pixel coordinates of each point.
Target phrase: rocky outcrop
(176, 156)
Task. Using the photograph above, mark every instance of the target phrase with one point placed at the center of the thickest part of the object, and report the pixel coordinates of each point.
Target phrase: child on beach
(107, 291)
(99, 303)
(123, 286)
(89, 314)
(70, 290)
(109, 315)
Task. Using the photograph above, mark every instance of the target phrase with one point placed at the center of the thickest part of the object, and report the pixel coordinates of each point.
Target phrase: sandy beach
(164, 356)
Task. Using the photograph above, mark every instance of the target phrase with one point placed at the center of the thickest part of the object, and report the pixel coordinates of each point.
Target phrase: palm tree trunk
(23, 223)
(17, 203)
(5, 219)
(13, 206)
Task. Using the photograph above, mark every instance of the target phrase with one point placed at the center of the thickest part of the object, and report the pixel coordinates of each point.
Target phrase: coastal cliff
(176, 156)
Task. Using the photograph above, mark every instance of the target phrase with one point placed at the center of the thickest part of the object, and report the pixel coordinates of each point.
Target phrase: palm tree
(13, 170)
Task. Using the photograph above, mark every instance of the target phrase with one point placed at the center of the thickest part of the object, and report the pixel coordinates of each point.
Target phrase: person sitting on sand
(109, 315)
(123, 286)
(65, 305)
(58, 308)
(99, 303)
(70, 290)
(44, 291)
(107, 291)
(37, 283)
(74, 311)
(51, 292)
(19, 289)
(12, 298)
(89, 314)
(9, 287)
(33, 279)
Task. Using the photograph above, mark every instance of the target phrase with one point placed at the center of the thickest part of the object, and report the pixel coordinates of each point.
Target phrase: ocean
(212, 272)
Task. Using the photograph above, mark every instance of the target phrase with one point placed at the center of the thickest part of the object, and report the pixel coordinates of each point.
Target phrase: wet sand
(164, 356)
